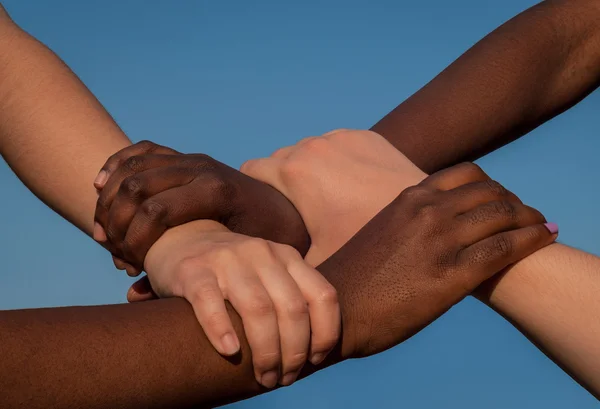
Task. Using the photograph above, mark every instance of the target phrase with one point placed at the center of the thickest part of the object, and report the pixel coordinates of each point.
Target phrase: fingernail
(100, 179)
(289, 378)
(317, 358)
(132, 271)
(269, 379)
(99, 234)
(230, 344)
(552, 227)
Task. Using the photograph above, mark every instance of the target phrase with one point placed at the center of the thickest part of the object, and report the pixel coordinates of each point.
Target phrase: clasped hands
(337, 240)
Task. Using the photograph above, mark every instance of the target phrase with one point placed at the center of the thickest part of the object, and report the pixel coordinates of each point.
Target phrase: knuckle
(260, 247)
(154, 211)
(316, 145)
(295, 360)
(199, 161)
(297, 308)
(132, 186)
(266, 359)
(247, 166)
(471, 169)
(287, 251)
(446, 262)
(428, 215)
(219, 188)
(147, 145)
(134, 163)
(414, 194)
(223, 255)
(496, 188)
(261, 305)
(336, 131)
(292, 168)
(505, 209)
(328, 296)
(502, 246)
(280, 152)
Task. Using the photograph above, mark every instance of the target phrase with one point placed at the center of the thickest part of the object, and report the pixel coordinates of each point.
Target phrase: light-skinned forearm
(530, 69)
(54, 134)
(552, 297)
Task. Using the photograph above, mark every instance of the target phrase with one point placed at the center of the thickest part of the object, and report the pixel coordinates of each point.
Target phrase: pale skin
(95, 114)
(56, 136)
(551, 296)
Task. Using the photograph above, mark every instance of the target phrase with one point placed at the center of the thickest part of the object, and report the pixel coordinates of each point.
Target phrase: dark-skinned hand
(424, 252)
(146, 189)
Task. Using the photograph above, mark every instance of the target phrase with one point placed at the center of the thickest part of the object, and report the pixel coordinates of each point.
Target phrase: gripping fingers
(141, 290)
(497, 252)
(127, 182)
(291, 308)
(455, 176)
(323, 306)
(115, 161)
(496, 217)
(171, 208)
(253, 304)
(201, 289)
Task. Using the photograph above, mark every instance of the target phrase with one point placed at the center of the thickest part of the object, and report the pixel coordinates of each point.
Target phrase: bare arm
(529, 70)
(552, 297)
(532, 68)
(54, 134)
(154, 355)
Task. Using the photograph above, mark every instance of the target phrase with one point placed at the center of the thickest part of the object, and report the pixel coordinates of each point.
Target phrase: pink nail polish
(552, 227)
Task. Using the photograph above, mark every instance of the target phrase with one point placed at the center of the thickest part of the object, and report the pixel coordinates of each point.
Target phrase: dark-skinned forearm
(527, 71)
(144, 355)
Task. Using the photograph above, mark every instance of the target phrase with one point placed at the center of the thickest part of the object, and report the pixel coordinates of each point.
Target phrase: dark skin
(450, 214)
(183, 188)
(529, 70)
(179, 342)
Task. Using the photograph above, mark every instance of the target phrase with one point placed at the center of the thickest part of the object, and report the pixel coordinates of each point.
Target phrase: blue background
(175, 72)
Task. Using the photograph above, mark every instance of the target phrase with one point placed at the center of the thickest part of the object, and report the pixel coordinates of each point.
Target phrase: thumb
(141, 290)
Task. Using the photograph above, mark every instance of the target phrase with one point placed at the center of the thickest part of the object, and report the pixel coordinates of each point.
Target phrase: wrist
(169, 242)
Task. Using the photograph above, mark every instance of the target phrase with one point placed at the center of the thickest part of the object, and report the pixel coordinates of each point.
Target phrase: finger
(202, 290)
(283, 153)
(292, 312)
(131, 166)
(497, 252)
(496, 217)
(323, 306)
(118, 158)
(252, 302)
(267, 170)
(455, 176)
(471, 195)
(119, 263)
(134, 190)
(303, 141)
(141, 290)
(201, 199)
